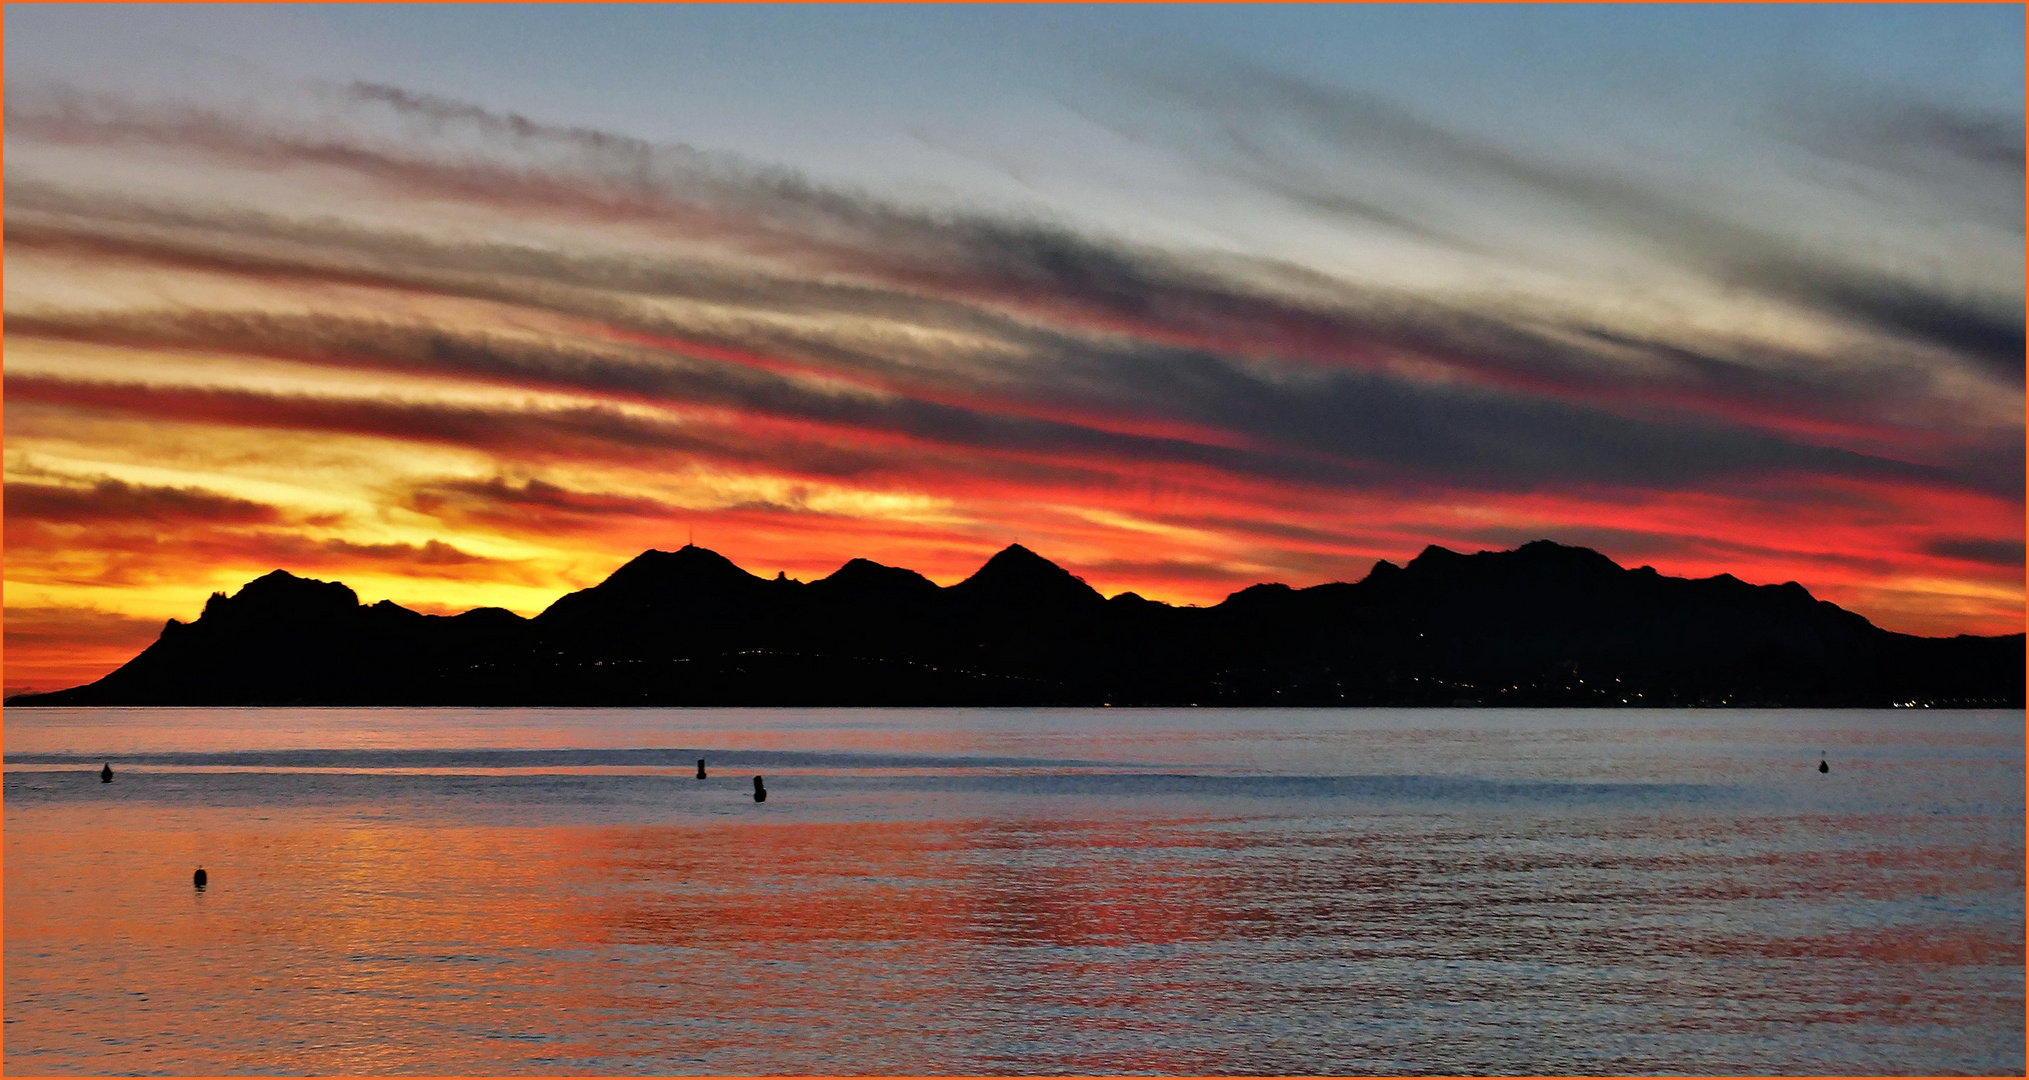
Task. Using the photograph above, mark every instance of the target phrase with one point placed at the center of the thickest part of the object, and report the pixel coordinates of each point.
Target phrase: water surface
(986, 891)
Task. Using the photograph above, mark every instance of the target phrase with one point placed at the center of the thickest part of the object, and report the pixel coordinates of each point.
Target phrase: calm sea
(991, 891)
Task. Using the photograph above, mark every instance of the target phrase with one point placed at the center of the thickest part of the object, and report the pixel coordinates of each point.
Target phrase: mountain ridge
(1542, 624)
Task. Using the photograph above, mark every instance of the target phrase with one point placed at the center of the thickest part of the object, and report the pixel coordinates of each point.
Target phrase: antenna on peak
(691, 541)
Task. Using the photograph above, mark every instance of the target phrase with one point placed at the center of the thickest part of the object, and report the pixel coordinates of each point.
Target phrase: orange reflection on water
(326, 945)
(316, 946)
(381, 939)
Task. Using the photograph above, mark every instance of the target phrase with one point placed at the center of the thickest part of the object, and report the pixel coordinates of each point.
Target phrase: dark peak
(1015, 554)
(1265, 588)
(280, 592)
(1550, 551)
(1015, 559)
(1254, 597)
(864, 568)
(1433, 556)
(1383, 570)
(1544, 554)
(1018, 574)
(388, 609)
(685, 564)
(497, 615)
(654, 581)
(1134, 601)
(859, 574)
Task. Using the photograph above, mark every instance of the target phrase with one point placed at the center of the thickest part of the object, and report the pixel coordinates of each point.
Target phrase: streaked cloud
(112, 500)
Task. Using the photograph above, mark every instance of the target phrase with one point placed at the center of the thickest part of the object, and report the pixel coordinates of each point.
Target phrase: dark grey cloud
(1986, 332)
(1329, 126)
(1479, 436)
(443, 114)
(1984, 550)
(1986, 140)
(1971, 160)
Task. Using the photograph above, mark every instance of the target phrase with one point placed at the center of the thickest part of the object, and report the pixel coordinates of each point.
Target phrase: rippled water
(988, 891)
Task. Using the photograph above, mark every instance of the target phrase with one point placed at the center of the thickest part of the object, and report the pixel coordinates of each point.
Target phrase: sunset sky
(468, 305)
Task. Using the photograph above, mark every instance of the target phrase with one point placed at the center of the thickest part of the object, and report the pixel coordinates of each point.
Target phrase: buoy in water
(760, 793)
(700, 768)
(198, 879)
(106, 773)
(1824, 766)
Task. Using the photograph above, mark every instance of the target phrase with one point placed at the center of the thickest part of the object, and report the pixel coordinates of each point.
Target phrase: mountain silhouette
(1020, 581)
(1544, 624)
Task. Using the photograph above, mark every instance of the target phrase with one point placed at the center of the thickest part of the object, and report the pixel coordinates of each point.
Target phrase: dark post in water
(760, 793)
